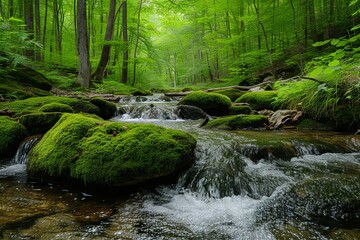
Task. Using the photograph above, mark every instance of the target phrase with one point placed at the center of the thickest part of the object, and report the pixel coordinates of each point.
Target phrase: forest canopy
(170, 43)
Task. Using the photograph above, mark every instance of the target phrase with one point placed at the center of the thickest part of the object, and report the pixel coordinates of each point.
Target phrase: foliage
(11, 134)
(130, 153)
(212, 103)
(259, 100)
(238, 122)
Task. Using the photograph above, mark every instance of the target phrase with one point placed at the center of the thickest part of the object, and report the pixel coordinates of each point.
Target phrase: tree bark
(125, 64)
(37, 29)
(99, 73)
(83, 45)
(136, 42)
(29, 25)
(10, 8)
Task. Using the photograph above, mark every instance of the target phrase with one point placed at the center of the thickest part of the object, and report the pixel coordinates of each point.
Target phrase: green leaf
(322, 87)
(316, 71)
(353, 2)
(355, 28)
(321, 43)
(335, 41)
(334, 63)
(329, 70)
(342, 43)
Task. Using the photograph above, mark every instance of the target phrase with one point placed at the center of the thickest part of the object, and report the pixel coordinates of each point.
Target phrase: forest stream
(247, 184)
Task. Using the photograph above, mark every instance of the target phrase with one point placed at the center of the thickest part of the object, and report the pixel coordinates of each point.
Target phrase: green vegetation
(11, 134)
(108, 153)
(259, 100)
(238, 122)
(212, 103)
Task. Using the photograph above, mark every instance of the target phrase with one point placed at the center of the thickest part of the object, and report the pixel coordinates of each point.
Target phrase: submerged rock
(212, 103)
(11, 134)
(238, 122)
(97, 152)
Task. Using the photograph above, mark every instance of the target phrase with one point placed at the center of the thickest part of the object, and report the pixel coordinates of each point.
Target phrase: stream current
(243, 185)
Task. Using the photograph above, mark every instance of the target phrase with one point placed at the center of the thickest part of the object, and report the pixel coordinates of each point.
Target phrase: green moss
(39, 123)
(34, 104)
(233, 94)
(235, 110)
(11, 89)
(212, 103)
(141, 93)
(238, 122)
(107, 109)
(109, 153)
(11, 134)
(56, 107)
(258, 100)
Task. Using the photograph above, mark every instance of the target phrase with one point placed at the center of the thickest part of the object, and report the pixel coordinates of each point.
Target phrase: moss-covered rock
(109, 153)
(11, 134)
(141, 93)
(258, 100)
(235, 110)
(30, 105)
(56, 107)
(107, 109)
(233, 94)
(238, 122)
(212, 103)
(39, 123)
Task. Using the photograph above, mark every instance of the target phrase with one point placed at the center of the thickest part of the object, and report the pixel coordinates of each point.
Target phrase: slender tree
(124, 75)
(83, 45)
(136, 42)
(99, 73)
(29, 25)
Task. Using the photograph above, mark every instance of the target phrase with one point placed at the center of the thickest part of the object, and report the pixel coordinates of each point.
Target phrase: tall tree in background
(83, 45)
(124, 72)
(136, 42)
(100, 71)
(29, 25)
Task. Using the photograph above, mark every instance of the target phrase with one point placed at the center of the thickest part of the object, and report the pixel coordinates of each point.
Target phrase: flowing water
(243, 185)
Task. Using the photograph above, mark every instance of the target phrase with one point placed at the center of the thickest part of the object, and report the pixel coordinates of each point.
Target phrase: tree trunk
(10, 8)
(37, 29)
(125, 65)
(175, 72)
(265, 38)
(29, 25)
(99, 73)
(83, 45)
(136, 42)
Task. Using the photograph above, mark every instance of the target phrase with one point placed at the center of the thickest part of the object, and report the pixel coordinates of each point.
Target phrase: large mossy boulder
(20, 81)
(238, 122)
(214, 104)
(56, 107)
(11, 134)
(94, 151)
(258, 100)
